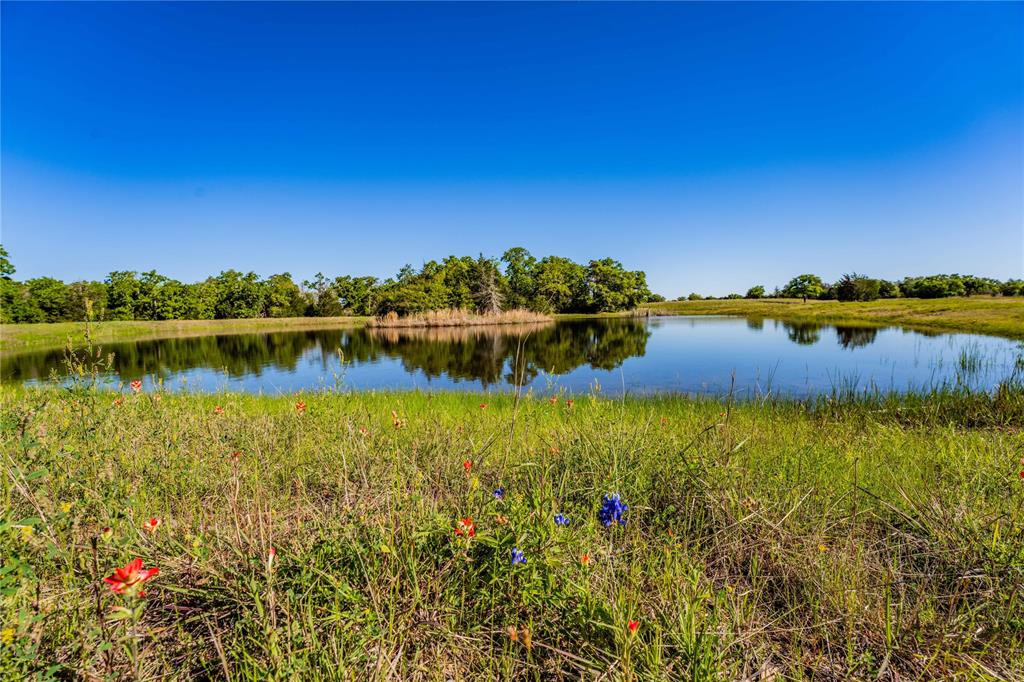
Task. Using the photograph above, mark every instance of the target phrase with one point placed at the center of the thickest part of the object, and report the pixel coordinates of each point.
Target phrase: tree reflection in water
(490, 355)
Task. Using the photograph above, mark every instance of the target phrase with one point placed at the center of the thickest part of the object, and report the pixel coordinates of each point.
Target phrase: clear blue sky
(714, 146)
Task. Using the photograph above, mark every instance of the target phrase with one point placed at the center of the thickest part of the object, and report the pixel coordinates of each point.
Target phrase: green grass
(28, 337)
(999, 316)
(840, 539)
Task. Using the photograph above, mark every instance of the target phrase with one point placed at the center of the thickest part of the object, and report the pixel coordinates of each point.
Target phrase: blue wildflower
(499, 493)
(517, 556)
(561, 520)
(612, 510)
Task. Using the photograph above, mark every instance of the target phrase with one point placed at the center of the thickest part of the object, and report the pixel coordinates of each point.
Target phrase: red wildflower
(467, 465)
(129, 579)
(553, 399)
(363, 430)
(300, 406)
(483, 406)
(465, 528)
(151, 525)
(568, 403)
(271, 555)
(218, 410)
(585, 559)
(1022, 474)
(235, 455)
(136, 385)
(633, 625)
(119, 402)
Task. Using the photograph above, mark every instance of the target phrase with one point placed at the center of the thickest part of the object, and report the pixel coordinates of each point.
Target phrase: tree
(487, 286)
(561, 285)
(521, 273)
(356, 294)
(325, 298)
(50, 297)
(854, 287)
(755, 292)
(284, 297)
(6, 267)
(804, 286)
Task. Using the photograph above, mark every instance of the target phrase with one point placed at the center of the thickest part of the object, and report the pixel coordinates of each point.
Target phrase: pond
(694, 355)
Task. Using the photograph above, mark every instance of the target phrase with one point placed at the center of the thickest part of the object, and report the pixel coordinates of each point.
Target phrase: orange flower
(218, 410)
(483, 406)
(363, 430)
(300, 406)
(553, 400)
(271, 555)
(151, 525)
(119, 402)
(633, 625)
(465, 528)
(235, 455)
(467, 465)
(568, 403)
(585, 559)
(136, 385)
(129, 579)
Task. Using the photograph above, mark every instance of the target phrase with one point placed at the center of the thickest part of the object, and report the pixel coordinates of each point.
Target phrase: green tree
(521, 274)
(50, 297)
(284, 297)
(755, 292)
(804, 286)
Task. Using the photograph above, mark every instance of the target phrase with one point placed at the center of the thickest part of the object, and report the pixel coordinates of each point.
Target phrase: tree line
(856, 287)
(551, 284)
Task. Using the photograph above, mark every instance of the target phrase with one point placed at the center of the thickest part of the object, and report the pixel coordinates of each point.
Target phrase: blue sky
(714, 146)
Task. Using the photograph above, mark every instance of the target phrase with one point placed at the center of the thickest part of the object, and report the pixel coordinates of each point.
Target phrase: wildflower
(65, 507)
(1022, 474)
(398, 423)
(235, 456)
(483, 406)
(118, 402)
(822, 547)
(499, 493)
(517, 556)
(585, 559)
(271, 555)
(129, 579)
(467, 465)
(501, 519)
(525, 638)
(568, 403)
(151, 525)
(554, 450)
(633, 625)
(218, 410)
(7, 635)
(553, 399)
(300, 406)
(561, 520)
(664, 422)
(157, 398)
(136, 385)
(465, 528)
(364, 431)
(612, 510)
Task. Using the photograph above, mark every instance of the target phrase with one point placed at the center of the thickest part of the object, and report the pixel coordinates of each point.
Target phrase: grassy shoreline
(997, 316)
(981, 315)
(886, 532)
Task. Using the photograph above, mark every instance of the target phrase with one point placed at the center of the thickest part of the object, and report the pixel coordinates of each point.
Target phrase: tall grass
(457, 317)
(836, 538)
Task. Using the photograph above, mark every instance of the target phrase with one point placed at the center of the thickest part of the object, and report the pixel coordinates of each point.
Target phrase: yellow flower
(65, 507)
(822, 548)
(7, 635)
(26, 531)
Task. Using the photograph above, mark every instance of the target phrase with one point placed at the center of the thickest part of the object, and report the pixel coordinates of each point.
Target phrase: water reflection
(490, 355)
(694, 355)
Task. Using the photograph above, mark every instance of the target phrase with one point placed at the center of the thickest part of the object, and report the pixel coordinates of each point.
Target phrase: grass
(29, 337)
(845, 538)
(454, 317)
(999, 316)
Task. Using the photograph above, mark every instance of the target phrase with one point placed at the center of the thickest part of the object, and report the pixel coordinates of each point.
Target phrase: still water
(695, 355)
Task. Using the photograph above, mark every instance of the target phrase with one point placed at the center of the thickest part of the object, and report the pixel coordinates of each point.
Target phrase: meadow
(487, 536)
(1000, 316)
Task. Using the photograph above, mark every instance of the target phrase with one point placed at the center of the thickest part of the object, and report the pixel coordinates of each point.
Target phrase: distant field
(867, 539)
(979, 314)
(22, 337)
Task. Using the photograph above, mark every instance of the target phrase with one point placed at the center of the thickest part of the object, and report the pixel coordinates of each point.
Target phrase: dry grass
(454, 317)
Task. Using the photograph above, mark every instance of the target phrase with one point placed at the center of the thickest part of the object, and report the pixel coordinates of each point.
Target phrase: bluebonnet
(561, 520)
(612, 510)
(499, 493)
(517, 556)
